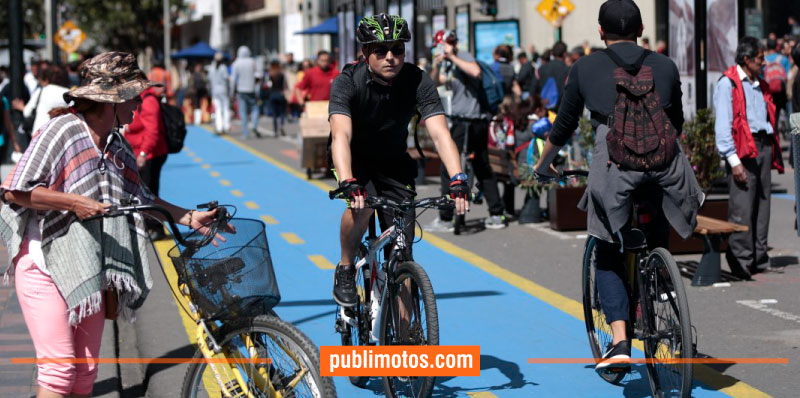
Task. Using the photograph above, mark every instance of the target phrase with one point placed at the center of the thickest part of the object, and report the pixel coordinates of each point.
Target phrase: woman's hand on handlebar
(85, 207)
(201, 219)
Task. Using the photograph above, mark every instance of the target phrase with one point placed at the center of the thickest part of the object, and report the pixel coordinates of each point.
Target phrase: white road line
(544, 227)
(759, 305)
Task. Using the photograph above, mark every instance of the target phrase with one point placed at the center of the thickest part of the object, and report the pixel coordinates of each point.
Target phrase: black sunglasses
(397, 50)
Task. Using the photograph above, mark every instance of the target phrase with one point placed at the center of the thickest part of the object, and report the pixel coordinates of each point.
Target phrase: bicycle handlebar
(380, 202)
(541, 178)
(116, 211)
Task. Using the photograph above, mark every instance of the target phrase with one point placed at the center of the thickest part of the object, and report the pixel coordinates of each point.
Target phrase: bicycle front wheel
(597, 329)
(293, 369)
(409, 317)
(670, 328)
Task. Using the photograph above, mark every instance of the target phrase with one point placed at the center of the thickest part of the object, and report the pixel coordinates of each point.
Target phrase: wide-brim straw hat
(111, 77)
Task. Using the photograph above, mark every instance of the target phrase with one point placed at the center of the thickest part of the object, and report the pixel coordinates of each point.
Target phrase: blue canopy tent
(201, 50)
(329, 26)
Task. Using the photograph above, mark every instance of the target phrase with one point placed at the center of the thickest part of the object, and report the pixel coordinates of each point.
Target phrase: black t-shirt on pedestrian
(381, 113)
(591, 84)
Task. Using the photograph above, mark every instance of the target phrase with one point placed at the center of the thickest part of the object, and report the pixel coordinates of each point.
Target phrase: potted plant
(563, 197)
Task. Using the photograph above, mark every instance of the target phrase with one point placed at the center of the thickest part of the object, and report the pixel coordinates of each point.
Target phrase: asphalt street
(515, 292)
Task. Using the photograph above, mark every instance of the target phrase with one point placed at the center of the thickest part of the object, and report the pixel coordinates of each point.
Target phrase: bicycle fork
(239, 387)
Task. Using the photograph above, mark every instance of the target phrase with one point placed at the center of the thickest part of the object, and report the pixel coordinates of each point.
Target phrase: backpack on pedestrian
(492, 85)
(641, 136)
(775, 76)
(549, 93)
(174, 125)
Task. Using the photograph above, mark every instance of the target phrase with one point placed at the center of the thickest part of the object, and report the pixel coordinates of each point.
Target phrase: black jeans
(151, 176)
(478, 144)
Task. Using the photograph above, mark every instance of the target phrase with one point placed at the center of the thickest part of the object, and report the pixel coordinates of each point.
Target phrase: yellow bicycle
(228, 288)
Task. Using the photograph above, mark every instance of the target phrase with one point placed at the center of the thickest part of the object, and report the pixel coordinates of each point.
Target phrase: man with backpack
(747, 140)
(469, 117)
(631, 152)
(776, 74)
(553, 76)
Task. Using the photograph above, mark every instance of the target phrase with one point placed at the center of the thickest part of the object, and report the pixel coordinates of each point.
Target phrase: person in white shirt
(49, 95)
(31, 78)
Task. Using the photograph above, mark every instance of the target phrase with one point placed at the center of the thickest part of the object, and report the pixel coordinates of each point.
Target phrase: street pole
(48, 29)
(167, 38)
(54, 26)
(700, 72)
(17, 67)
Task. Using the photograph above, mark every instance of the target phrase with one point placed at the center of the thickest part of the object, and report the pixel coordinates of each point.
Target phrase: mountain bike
(659, 308)
(226, 284)
(396, 304)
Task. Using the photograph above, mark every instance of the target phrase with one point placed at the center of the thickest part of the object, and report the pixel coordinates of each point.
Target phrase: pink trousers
(45, 313)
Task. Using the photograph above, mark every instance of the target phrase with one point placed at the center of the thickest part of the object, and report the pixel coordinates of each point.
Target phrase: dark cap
(620, 16)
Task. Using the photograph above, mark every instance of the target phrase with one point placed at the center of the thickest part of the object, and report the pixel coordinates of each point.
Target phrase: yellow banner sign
(554, 11)
(69, 37)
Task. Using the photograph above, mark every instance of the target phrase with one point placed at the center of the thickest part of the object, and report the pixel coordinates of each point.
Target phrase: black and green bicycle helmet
(383, 28)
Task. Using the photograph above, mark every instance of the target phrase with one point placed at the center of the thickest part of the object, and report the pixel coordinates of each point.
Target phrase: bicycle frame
(374, 245)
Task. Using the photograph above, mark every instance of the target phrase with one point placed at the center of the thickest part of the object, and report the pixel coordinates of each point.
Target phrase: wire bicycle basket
(232, 280)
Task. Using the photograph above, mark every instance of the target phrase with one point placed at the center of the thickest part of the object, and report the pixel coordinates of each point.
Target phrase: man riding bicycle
(371, 105)
(594, 82)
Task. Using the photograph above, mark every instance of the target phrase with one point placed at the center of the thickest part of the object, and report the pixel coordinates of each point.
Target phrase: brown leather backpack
(641, 136)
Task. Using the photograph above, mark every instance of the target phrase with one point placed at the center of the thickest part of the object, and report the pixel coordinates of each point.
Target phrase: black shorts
(395, 182)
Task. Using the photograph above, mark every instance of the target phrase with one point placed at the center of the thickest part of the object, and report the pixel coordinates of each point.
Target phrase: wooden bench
(712, 231)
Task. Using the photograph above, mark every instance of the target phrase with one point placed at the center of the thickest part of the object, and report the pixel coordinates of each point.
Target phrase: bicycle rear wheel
(420, 326)
(597, 329)
(293, 371)
(358, 334)
(670, 328)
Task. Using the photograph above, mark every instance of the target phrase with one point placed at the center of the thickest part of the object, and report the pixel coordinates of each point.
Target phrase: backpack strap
(633, 68)
(416, 136)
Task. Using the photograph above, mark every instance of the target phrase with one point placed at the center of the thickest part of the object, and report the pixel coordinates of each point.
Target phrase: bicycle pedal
(234, 388)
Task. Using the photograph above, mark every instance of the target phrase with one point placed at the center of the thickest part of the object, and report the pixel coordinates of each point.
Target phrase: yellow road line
(237, 193)
(251, 205)
(481, 394)
(225, 183)
(321, 262)
(198, 160)
(206, 166)
(214, 174)
(268, 219)
(712, 378)
(292, 238)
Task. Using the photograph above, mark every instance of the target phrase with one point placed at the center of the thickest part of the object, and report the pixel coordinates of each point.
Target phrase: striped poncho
(83, 258)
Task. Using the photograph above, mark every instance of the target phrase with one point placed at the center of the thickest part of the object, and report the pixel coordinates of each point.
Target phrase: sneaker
(495, 222)
(619, 352)
(439, 225)
(344, 286)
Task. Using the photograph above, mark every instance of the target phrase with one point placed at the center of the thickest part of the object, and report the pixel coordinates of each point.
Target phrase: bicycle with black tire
(409, 315)
(227, 286)
(658, 305)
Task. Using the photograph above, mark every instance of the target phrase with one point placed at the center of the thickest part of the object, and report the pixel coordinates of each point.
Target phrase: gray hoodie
(243, 72)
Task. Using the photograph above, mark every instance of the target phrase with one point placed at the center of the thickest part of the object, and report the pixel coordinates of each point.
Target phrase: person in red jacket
(747, 139)
(147, 136)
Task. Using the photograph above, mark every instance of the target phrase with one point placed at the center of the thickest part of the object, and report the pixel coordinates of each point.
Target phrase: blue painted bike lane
(475, 307)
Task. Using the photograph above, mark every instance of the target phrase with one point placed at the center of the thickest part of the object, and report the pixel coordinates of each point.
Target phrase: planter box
(563, 209)
(714, 208)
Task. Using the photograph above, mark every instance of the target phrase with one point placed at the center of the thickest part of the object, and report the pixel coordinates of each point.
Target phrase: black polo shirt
(381, 113)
